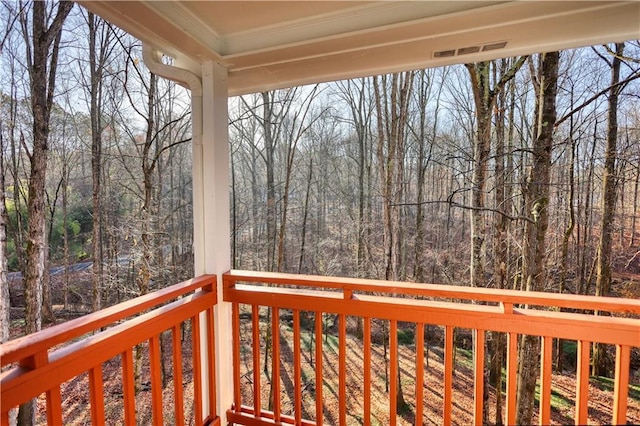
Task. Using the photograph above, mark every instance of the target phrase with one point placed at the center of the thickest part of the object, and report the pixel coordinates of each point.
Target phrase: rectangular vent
(494, 46)
(468, 50)
(444, 53)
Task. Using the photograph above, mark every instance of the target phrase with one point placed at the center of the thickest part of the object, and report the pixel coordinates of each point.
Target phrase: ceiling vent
(444, 53)
(494, 46)
(470, 49)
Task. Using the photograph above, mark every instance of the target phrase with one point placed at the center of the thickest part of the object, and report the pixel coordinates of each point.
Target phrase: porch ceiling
(273, 44)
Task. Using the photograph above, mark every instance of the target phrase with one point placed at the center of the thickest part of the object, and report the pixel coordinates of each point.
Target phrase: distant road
(57, 270)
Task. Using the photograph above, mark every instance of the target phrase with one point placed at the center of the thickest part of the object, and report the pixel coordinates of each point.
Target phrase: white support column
(211, 238)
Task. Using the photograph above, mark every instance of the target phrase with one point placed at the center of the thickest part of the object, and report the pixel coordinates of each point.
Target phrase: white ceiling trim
(412, 31)
(342, 24)
(188, 22)
(289, 45)
(417, 54)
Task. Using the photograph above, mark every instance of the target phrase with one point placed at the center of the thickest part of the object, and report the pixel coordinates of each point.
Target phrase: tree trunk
(42, 47)
(635, 207)
(5, 301)
(143, 277)
(424, 157)
(234, 210)
(298, 126)
(354, 95)
(305, 215)
(500, 260)
(564, 254)
(47, 305)
(267, 122)
(608, 203)
(65, 235)
(536, 203)
(392, 109)
(484, 98)
(95, 111)
(583, 283)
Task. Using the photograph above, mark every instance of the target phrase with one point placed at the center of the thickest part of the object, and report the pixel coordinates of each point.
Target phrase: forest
(519, 173)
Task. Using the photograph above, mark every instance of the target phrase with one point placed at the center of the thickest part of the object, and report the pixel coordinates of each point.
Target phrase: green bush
(406, 337)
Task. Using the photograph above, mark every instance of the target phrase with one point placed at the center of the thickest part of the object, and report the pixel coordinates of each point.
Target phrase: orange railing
(268, 295)
(43, 362)
(33, 364)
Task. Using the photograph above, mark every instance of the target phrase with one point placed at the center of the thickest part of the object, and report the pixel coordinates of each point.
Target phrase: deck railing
(258, 295)
(41, 363)
(33, 365)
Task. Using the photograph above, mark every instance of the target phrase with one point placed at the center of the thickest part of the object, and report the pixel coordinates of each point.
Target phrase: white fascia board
(181, 17)
(149, 25)
(602, 23)
(342, 24)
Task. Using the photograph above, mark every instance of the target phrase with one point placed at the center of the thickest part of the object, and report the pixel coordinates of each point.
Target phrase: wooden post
(212, 248)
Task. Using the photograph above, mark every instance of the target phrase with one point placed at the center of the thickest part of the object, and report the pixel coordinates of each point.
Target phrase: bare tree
(392, 103)
(608, 200)
(99, 50)
(536, 207)
(425, 148)
(42, 44)
(501, 224)
(296, 126)
(269, 118)
(485, 98)
(5, 302)
(354, 94)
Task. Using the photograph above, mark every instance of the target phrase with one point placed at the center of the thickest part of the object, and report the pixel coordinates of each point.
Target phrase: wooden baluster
(512, 372)
(128, 387)
(235, 324)
(178, 391)
(545, 380)
(419, 373)
(156, 379)
(367, 370)
(275, 360)
(319, 381)
(255, 346)
(582, 386)
(211, 361)
(478, 377)
(297, 373)
(393, 371)
(342, 369)
(448, 374)
(621, 387)
(96, 395)
(197, 371)
(54, 406)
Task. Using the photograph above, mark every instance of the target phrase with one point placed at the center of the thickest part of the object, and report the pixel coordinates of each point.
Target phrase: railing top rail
(69, 361)
(504, 296)
(32, 344)
(564, 325)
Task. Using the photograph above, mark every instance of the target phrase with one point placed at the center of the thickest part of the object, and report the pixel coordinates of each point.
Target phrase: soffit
(267, 45)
